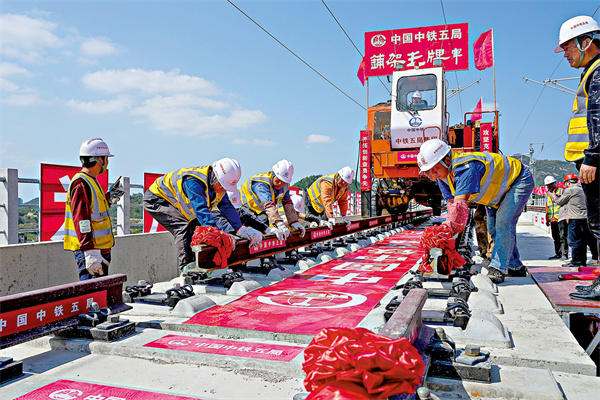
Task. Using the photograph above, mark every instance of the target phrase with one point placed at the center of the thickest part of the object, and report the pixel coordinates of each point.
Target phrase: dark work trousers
(262, 217)
(559, 235)
(315, 213)
(590, 241)
(84, 274)
(172, 220)
(592, 192)
(577, 242)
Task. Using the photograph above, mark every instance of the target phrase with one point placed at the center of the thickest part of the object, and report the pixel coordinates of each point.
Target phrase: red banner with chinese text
(485, 136)
(417, 48)
(365, 161)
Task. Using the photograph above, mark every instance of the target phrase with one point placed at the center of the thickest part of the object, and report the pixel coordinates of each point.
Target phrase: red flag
(476, 116)
(361, 71)
(484, 50)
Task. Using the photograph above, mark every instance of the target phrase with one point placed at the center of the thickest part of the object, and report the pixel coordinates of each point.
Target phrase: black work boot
(521, 272)
(586, 288)
(591, 295)
(495, 275)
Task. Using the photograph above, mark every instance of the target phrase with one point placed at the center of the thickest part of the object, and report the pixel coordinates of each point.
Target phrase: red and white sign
(373, 222)
(33, 317)
(417, 48)
(485, 136)
(365, 161)
(388, 219)
(353, 226)
(268, 244)
(350, 210)
(335, 210)
(358, 203)
(54, 183)
(150, 224)
(321, 233)
(72, 390)
(409, 157)
(294, 190)
(262, 351)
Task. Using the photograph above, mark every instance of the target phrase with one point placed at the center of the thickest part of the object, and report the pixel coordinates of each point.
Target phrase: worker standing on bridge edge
(262, 193)
(328, 189)
(579, 38)
(182, 200)
(503, 184)
(558, 226)
(88, 229)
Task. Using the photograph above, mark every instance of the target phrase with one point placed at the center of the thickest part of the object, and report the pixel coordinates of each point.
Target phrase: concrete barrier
(32, 266)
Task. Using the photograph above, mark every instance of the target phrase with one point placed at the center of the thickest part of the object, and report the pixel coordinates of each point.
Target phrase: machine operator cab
(418, 109)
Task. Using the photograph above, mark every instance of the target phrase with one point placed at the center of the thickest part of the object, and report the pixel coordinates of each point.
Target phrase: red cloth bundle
(440, 236)
(212, 236)
(580, 276)
(590, 270)
(345, 363)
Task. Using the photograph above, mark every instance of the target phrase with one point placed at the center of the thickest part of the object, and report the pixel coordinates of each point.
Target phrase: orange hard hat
(570, 176)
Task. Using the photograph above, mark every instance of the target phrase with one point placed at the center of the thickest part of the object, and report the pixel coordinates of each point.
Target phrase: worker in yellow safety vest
(328, 189)
(558, 228)
(181, 200)
(503, 184)
(88, 229)
(262, 193)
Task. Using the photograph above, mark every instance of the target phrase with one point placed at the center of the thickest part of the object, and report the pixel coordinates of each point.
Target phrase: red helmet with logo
(570, 176)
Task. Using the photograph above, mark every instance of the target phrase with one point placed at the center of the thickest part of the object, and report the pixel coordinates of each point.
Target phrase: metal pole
(9, 206)
(123, 209)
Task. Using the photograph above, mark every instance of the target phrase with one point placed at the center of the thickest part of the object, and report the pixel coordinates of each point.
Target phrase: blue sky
(182, 83)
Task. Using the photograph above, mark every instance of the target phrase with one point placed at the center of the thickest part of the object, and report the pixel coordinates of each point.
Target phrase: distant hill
(543, 168)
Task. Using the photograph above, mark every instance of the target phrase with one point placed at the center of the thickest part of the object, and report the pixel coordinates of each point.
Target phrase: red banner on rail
(150, 224)
(417, 48)
(54, 183)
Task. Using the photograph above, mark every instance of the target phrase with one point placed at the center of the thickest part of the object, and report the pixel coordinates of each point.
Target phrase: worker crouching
(327, 190)
(503, 184)
(182, 200)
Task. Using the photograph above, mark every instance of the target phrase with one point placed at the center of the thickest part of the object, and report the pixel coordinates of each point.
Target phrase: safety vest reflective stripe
(578, 134)
(170, 188)
(251, 199)
(100, 219)
(553, 208)
(315, 195)
(500, 173)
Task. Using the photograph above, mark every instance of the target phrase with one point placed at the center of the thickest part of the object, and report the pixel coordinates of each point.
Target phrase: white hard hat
(228, 172)
(94, 147)
(417, 95)
(284, 170)
(347, 174)
(234, 197)
(575, 27)
(432, 152)
(298, 202)
(549, 179)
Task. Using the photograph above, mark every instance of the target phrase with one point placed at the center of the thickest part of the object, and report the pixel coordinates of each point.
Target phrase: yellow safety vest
(578, 138)
(251, 200)
(100, 223)
(314, 192)
(551, 207)
(170, 188)
(500, 173)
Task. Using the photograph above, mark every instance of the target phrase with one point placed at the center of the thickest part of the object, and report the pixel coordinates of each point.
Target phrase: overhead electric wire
(295, 55)
(534, 104)
(455, 74)
(345, 33)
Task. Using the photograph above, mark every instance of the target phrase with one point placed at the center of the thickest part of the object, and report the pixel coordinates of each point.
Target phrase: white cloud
(23, 99)
(319, 139)
(240, 141)
(10, 69)
(101, 106)
(8, 86)
(255, 142)
(26, 39)
(148, 82)
(97, 47)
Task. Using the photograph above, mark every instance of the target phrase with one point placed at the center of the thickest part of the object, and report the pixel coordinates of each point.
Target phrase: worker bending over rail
(182, 200)
(307, 219)
(88, 229)
(327, 190)
(247, 218)
(262, 193)
(503, 184)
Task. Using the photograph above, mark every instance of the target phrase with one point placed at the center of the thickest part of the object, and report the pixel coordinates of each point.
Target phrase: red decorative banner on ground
(54, 183)
(262, 351)
(72, 390)
(150, 224)
(364, 156)
(485, 136)
(32, 317)
(417, 48)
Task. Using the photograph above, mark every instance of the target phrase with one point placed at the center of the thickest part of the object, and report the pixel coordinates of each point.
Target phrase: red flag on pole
(361, 71)
(483, 48)
(476, 116)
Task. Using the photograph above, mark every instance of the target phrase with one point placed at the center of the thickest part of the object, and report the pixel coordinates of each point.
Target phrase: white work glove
(286, 231)
(94, 261)
(254, 236)
(313, 225)
(332, 222)
(277, 233)
(327, 224)
(298, 225)
(346, 220)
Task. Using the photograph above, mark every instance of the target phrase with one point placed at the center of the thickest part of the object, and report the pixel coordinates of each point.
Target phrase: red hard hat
(568, 177)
